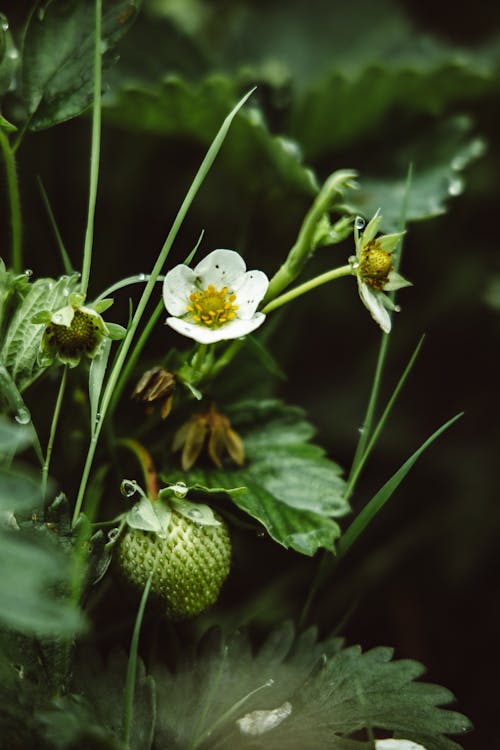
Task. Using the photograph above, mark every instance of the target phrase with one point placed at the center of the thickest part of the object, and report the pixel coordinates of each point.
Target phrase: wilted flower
(215, 430)
(375, 272)
(75, 330)
(157, 383)
(216, 300)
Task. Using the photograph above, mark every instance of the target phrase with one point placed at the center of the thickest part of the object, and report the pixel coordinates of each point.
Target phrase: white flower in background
(216, 300)
(375, 272)
(393, 744)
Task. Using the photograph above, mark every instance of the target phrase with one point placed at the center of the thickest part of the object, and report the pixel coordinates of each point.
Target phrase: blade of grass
(94, 150)
(327, 562)
(127, 341)
(68, 268)
(380, 424)
(128, 708)
(143, 338)
(378, 501)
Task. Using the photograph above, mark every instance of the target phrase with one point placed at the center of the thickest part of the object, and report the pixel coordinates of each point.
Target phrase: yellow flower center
(82, 335)
(375, 265)
(212, 308)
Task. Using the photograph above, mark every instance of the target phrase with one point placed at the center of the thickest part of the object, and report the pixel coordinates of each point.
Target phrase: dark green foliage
(291, 487)
(57, 73)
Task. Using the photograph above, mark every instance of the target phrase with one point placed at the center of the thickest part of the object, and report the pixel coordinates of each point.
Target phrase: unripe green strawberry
(191, 563)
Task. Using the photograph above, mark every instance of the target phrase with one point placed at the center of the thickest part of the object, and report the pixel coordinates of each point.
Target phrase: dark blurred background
(424, 578)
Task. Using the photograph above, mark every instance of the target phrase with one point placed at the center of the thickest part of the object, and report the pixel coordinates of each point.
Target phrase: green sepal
(149, 516)
(103, 305)
(199, 513)
(115, 331)
(372, 228)
(387, 242)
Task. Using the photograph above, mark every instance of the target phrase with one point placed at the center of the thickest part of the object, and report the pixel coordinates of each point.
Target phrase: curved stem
(146, 463)
(307, 286)
(15, 203)
(304, 246)
(95, 150)
(53, 429)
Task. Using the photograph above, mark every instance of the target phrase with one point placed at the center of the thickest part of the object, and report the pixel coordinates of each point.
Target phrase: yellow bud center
(375, 265)
(82, 335)
(212, 308)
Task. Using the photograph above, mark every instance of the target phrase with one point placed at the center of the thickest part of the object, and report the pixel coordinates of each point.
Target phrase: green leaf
(22, 341)
(325, 693)
(35, 567)
(439, 159)
(31, 569)
(13, 437)
(57, 60)
(176, 107)
(9, 62)
(292, 489)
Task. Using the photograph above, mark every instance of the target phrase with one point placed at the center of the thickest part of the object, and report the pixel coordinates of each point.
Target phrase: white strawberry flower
(215, 301)
(375, 272)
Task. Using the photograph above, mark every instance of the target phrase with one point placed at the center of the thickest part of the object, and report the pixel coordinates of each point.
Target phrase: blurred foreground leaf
(35, 570)
(296, 693)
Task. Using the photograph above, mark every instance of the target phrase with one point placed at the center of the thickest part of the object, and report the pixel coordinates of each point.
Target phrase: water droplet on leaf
(23, 415)
(28, 272)
(359, 222)
(456, 186)
(128, 487)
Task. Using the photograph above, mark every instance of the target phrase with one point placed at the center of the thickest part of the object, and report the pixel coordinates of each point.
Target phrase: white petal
(374, 303)
(392, 744)
(64, 316)
(233, 330)
(250, 290)
(220, 268)
(179, 283)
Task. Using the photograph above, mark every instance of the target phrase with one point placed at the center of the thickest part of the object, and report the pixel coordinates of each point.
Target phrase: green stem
(128, 708)
(53, 429)
(356, 471)
(132, 360)
(235, 346)
(365, 429)
(307, 286)
(304, 246)
(15, 203)
(59, 240)
(122, 355)
(95, 150)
